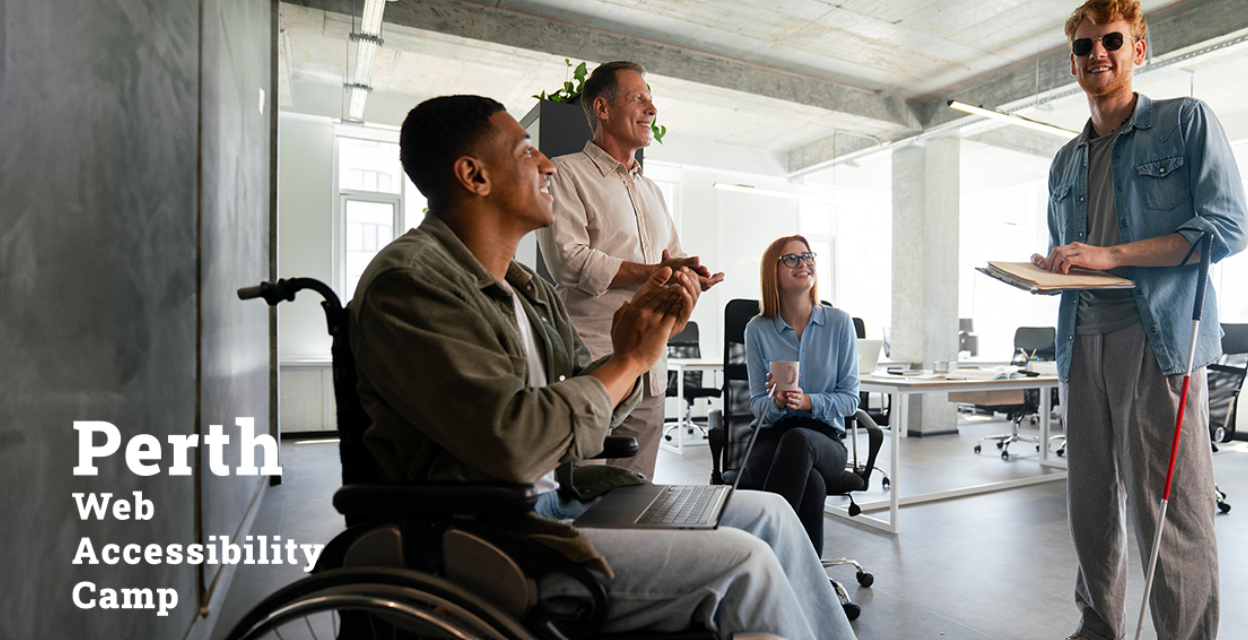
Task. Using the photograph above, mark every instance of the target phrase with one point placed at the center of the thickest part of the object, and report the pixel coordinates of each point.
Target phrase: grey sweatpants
(1119, 411)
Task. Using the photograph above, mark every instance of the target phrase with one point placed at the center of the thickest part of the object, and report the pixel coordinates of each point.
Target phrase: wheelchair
(427, 560)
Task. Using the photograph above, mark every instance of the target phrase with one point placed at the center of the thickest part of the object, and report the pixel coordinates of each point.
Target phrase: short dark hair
(437, 132)
(603, 82)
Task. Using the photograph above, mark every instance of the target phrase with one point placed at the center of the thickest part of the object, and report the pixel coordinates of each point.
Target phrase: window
(371, 189)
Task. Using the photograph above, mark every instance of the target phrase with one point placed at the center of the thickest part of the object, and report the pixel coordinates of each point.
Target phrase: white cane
(1178, 426)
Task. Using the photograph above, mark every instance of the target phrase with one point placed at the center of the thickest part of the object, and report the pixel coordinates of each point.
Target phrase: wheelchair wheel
(367, 603)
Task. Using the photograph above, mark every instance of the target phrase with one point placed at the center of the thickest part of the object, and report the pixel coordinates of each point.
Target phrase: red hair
(767, 276)
(1100, 12)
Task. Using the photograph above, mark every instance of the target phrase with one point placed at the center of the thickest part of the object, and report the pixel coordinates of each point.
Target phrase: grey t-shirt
(1110, 309)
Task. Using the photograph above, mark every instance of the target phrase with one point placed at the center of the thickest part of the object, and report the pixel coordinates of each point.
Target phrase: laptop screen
(868, 356)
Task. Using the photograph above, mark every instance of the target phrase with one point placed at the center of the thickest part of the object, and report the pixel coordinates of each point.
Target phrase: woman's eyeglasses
(792, 260)
(1111, 42)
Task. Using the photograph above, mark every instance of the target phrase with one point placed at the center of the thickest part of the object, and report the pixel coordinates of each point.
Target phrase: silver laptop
(658, 506)
(868, 356)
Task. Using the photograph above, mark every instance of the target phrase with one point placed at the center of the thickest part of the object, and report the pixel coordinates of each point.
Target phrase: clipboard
(1030, 278)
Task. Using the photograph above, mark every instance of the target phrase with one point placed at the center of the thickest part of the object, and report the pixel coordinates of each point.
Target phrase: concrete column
(926, 194)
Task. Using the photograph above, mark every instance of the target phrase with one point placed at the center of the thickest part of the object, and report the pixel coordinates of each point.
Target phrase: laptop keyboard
(680, 505)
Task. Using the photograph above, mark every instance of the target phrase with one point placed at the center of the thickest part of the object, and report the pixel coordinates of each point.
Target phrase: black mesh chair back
(686, 345)
(1225, 380)
(1041, 340)
(737, 415)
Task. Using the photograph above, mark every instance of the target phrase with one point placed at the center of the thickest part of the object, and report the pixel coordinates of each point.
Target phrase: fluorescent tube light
(371, 22)
(364, 62)
(355, 110)
(1013, 119)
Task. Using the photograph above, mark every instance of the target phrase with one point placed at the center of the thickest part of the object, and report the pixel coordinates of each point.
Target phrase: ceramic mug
(785, 374)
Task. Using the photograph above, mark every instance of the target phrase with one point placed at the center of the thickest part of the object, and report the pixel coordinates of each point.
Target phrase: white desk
(680, 366)
(901, 388)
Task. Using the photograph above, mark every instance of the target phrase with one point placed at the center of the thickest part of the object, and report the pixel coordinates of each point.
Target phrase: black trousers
(797, 458)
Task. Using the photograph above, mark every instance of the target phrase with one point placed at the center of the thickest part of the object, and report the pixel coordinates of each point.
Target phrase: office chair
(422, 560)
(730, 429)
(1042, 342)
(967, 340)
(1225, 381)
(686, 345)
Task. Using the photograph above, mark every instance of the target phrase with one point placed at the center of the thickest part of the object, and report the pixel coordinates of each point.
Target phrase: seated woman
(799, 449)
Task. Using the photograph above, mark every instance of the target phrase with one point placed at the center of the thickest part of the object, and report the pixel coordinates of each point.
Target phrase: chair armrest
(443, 499)
(618, 447)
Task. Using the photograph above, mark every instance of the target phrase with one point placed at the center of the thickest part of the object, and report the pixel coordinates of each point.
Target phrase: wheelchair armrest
(445, 499)
(618, 447)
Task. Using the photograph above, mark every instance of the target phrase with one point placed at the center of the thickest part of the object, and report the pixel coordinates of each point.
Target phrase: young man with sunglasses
(1131, 195)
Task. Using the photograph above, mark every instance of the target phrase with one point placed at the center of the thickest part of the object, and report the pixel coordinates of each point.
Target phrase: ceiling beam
(1044, 145)
(580, 42)
(1173, 30)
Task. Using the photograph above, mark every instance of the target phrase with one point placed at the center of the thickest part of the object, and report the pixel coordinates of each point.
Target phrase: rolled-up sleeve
(1217, 187)
(566, 245)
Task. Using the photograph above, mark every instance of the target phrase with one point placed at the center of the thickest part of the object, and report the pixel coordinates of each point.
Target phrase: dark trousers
(797, 458)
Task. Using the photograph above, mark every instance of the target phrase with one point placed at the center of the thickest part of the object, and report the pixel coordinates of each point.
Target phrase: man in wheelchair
(471, 371)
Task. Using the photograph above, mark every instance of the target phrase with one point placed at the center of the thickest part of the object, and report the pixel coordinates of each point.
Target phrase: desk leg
(680, 411)
(902, 402)
(1046, 430)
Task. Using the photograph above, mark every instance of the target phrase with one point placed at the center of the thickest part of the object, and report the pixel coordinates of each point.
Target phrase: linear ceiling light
(368, 41)
(789, 195)
(1013, 119)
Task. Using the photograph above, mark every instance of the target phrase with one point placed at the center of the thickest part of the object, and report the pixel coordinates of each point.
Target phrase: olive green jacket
(444, 377)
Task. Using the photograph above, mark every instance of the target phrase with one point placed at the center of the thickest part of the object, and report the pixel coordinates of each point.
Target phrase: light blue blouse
(828, 357)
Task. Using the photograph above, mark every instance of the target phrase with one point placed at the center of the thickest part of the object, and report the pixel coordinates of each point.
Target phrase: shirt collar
(818, 316)
(516, 275)
(606, 164)
(1141, 118)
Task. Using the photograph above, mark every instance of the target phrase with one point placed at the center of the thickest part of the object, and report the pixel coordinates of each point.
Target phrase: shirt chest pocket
(1064, 205)
(1162, 183)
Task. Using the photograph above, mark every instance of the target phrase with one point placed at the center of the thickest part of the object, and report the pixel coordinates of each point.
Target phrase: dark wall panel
(234, 352)
(118, 256)
(98, 287)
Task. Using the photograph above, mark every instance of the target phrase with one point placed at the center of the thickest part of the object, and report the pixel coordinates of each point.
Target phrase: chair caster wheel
(1005, 454)
(978, 448)
(1000, 445)
(1037, 447)
(852, 611)
(1061, 453)
(1224, 507)
(886, 484)
(865, 579)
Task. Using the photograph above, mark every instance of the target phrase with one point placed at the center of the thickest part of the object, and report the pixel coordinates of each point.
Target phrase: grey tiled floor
(998, 565)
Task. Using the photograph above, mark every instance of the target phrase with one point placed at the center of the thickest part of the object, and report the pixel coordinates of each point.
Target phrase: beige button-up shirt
(604, 215)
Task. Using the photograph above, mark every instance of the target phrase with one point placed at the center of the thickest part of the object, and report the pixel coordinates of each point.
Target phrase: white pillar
(926, 194)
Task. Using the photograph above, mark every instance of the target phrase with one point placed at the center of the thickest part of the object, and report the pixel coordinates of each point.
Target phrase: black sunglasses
(792, 260)
(1111, 42)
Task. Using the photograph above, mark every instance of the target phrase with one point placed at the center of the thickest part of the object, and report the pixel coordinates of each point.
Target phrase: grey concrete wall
(121, 232)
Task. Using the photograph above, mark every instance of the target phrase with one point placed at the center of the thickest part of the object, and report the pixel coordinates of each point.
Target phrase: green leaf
(581, 72)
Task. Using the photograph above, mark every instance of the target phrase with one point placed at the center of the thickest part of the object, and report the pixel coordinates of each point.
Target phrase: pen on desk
(1033, 355)
(1023, 351)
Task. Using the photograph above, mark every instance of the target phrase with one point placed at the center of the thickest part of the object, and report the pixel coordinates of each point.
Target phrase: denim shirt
(828, 363)
(1173, 171)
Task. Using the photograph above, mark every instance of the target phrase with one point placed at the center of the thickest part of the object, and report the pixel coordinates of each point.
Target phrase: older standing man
(1131, 195)
(612, 231)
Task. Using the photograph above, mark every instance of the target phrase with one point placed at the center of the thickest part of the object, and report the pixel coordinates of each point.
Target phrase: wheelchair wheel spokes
(369, 605)
(364, 617)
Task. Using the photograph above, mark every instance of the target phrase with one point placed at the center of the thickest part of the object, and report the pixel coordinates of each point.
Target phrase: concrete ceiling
(813, 81)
